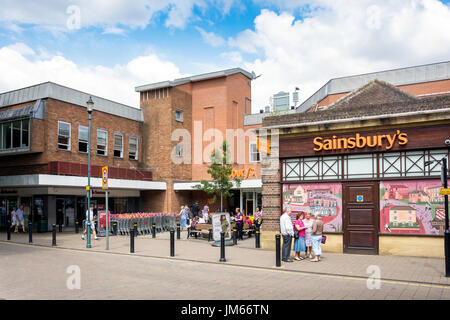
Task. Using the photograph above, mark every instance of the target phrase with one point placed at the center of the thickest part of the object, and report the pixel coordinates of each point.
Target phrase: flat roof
(200, 77)
(397, 77)
(66, 94)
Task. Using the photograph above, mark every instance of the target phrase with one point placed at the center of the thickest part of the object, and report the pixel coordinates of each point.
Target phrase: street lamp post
(90, 107)
(447, 231)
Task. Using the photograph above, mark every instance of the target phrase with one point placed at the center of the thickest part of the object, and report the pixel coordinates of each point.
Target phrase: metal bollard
(172, 243)
(178, 231)
(222, 247)
(278, 250)
(54, 235)
(60, 228)
(115, 228)
(131, 240)
(30, 232)
(8, 231)
(153, 230)
(257, 237)
(235, 236)
(76, 227)
(135, 229)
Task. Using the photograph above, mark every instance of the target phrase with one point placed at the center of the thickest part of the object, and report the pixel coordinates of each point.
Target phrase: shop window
(63, 135)
(83, 133)
(255, 156)
(102, 142)
(360, 166)
(118, 145)
(133, 148)
(14, 134)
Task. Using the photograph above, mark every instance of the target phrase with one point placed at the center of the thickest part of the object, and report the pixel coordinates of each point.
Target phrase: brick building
(43, 152)
(365, 144)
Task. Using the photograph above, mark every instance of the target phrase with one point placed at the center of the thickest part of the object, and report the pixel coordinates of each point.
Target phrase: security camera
(447, 142)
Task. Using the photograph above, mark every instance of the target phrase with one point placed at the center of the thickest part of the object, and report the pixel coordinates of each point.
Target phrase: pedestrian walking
(239, 219)
(90, 217)
(257, 217)
(299, 235)
(205, 213)
(20, 219)
(195, 209)
(308, 222)
(287, 232)
(186, 212)
(316, 237)
(13, 218)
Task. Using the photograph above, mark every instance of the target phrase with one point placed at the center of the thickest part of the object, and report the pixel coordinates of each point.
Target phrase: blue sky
(121, 44)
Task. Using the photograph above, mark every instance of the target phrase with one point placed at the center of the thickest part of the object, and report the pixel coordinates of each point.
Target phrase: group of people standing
(307, 234)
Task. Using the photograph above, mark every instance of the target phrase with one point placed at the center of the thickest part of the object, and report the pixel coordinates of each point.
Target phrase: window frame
(70, 136)
(177, 112)
(251, 153)
(114, 146)
(137, 148)
(106, 143)
(79, 140)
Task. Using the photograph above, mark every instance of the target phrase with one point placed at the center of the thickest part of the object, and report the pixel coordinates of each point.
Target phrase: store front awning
(245, 184)
(34, 180)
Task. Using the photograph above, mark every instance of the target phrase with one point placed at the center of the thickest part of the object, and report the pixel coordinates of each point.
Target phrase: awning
(245, 184)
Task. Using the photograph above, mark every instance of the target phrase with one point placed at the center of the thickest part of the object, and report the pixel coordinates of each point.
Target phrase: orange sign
(243, 173)
(263, 145)
(105, 178)
(360, 142)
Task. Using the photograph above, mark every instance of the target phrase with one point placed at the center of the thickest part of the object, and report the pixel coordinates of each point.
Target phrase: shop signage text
(243, 173)
(382, 140)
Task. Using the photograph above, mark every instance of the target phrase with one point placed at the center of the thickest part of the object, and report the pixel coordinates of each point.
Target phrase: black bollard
(54, 235)
(30, 232)
(8, 231)
(172, 243)
(135, 229)
(60, 228)
(115, 228)
(131, 240)
(153, 230)
(278, 250)
(222, 247)
(257, 237)
(178, 231)
(76, 227)
(235, 236)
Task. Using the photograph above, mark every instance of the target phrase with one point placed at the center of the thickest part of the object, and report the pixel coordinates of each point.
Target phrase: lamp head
(90, 105)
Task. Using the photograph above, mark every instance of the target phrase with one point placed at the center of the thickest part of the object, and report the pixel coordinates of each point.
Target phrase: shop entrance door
(361, 217)
(60, 212)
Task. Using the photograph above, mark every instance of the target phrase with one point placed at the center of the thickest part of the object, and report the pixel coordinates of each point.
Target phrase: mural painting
(412, 207)
(317, 198)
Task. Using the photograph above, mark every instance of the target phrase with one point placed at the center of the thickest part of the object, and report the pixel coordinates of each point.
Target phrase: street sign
(105, 178)
(445, 192)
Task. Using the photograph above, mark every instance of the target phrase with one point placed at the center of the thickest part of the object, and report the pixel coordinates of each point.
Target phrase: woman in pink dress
(308, 222)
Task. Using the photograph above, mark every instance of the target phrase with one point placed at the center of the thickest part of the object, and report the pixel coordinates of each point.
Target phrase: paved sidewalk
(392, 268)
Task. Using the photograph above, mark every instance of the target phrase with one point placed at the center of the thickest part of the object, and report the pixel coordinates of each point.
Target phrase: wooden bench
(246, 229)
(199, 227)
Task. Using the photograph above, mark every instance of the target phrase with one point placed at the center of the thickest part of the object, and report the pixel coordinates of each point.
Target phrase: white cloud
(116, 83)
(233, 56)
(338, 38)
(114, 30)
(211, 38)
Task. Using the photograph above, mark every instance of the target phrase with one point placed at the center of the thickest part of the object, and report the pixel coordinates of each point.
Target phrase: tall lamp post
(447, 231)
(90, 108)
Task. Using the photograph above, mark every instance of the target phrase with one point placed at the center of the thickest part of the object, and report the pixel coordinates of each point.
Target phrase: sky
(108, 47)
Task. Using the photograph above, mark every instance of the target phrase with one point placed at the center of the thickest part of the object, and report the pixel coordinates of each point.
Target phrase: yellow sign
(381, 140)
(105, 178)
(243, 173)
(263, 145)
(445, 192)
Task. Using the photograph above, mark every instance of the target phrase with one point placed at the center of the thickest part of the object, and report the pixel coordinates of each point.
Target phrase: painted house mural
(412, 207)
(317, 198)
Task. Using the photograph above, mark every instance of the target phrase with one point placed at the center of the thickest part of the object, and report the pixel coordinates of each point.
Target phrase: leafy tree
(220, 171)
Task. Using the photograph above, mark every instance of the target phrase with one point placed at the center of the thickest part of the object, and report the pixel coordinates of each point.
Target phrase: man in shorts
(19, 218)
(91, 218)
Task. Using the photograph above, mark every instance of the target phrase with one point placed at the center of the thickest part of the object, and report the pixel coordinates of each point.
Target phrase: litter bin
(43, 225)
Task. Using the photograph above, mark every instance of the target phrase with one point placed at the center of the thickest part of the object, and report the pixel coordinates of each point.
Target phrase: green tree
(220, 171)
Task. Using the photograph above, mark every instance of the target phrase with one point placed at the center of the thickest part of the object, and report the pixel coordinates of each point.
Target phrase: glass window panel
(25, 130)
(391, 165)
(83, 133)
(436, 155)
(311, 168)
(16, 134)
(7, 131)
(331, 168)
(118, 139)
(102, 141)
(414, 164)
(292, 170)
(132, 148)
(360, 166)
(63, 135)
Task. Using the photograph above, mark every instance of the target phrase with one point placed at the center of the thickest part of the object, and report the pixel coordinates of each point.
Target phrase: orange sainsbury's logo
(360, 142)
(243, 173)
